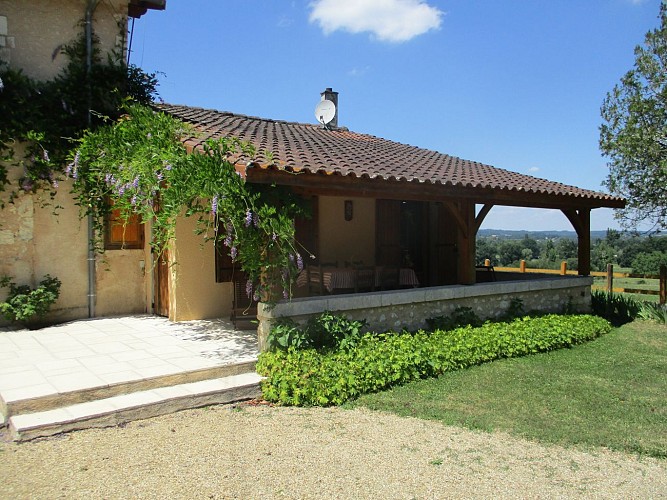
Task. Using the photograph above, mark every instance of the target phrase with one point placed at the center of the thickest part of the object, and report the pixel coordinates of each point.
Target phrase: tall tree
(634, 133)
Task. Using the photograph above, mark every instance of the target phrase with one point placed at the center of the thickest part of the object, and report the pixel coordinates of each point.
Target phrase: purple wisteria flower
(248, 218)
(134, 199)
(274, 236)
(167, 166)
(255, 219)
(135, 182)
(233, 253)
(299, 262)
(149, 135)
(55, 184)
(248, 288)
(291, 258)
(228, 241)
(285, 294)
(160, 176)
(45, 155)
(214, 205)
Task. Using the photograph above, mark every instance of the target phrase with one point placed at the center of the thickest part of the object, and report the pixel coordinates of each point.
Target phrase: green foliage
(139, 164)
(617, 308)
(461, 316)
(634, 133)
(309, 377)
(47, 115)
(653, 312)
(322, 332)
(649, 263)
(25, 303)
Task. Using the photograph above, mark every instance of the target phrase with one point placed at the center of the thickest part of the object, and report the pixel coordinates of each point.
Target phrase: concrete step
(28, 403)
(134, 406)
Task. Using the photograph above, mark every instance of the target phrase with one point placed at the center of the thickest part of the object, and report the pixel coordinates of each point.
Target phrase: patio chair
(388, 277)
(364, 279)
(244, 310)
(315, 279)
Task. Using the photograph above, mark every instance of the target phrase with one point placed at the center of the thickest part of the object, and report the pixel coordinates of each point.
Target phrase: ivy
(139, 165)
(45, 116)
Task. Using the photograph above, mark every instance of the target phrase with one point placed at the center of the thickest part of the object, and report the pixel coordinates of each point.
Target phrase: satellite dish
(325, 111)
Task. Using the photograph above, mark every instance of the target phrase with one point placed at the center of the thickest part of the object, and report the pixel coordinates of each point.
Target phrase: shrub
(462, 316)
(308, 377)
(653, 312)
(617, 308)
(24, 303)
(326, 331)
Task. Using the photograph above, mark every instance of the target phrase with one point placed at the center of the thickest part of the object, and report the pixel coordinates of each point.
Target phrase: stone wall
(409, 309)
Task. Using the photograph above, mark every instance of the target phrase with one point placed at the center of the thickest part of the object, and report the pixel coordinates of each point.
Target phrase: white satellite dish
(325, 111)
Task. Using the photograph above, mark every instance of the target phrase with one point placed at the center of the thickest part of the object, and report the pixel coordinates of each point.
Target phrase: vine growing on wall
(45, 116)
(139, 165)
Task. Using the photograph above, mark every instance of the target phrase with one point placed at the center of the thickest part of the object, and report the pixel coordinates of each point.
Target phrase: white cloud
(358, 71)
(532, 170)
(387, 20)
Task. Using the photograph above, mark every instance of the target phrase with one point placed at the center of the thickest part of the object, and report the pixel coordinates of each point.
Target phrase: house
(376, 203)
(32, 241)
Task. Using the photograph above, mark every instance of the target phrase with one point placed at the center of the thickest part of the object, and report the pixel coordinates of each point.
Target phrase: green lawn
(610, 392)
(636, 283)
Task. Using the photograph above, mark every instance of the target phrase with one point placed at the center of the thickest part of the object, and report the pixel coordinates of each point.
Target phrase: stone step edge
(135, 406)
(52, 401)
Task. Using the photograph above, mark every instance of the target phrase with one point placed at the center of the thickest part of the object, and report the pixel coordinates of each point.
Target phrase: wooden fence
(609, 274)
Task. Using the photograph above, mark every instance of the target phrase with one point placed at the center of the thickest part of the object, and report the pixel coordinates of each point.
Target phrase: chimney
(330, 95)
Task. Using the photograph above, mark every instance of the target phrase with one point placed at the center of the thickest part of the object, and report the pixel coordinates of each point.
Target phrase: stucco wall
(194, 292)
(37, 28)
(395, 310)
(342, 240)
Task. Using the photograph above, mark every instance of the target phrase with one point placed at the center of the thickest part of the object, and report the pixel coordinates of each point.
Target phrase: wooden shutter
(388, 233)
(119, 235)
(306, 232)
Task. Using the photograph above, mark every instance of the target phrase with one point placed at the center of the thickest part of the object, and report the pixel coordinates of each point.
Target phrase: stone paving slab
(100, 352)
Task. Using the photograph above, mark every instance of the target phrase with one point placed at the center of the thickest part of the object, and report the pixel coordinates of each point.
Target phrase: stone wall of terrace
(409, 309)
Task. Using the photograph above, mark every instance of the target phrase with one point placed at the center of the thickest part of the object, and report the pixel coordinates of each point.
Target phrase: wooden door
(161, 288)
(443, 252)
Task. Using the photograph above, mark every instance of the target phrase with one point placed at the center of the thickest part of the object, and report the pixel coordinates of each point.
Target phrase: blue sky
(514, 84)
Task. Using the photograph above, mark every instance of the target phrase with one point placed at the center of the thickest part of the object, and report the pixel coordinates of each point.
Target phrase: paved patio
(115, 352)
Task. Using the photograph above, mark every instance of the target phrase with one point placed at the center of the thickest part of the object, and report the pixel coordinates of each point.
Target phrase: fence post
(522, 266)
(563, 268)
(487, 262)
(663, 284)
(610, 278)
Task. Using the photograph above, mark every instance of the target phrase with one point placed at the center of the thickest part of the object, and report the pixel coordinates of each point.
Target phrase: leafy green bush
(326, 331)
(649, 263)
(24, 304)
(308, 377)
(461, 316)
(617, 308)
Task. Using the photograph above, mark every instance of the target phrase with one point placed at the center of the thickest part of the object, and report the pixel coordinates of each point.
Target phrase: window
(121, 235)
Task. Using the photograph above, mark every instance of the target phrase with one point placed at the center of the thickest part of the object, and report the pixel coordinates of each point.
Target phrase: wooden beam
(461, 222)
(345, 185)
(482, 215)
(581, 222)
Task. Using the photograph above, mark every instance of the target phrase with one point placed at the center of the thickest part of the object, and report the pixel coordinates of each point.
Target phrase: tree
(634, 133)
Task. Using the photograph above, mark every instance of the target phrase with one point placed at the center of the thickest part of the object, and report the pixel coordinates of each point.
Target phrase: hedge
(313, 378)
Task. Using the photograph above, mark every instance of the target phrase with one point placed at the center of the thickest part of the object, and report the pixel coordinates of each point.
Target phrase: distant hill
(507, 234)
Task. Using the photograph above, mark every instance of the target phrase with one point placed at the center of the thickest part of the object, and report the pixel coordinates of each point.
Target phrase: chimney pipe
(330, 95)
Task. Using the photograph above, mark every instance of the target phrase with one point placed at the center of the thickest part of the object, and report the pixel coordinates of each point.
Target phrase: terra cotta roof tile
(314, 149)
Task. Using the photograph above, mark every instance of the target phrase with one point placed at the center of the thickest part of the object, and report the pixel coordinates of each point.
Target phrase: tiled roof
(311, 148)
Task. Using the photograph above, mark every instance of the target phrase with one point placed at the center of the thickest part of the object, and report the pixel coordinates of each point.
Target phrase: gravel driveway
(264, 452)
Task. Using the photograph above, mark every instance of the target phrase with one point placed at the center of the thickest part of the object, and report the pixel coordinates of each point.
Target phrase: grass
(636, 283)
(611, 392)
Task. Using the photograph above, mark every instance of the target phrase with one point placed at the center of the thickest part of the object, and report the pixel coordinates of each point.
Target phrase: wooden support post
(522, 266)
(663, 284)
(610, 278)
(581, 221)
(563, 268)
